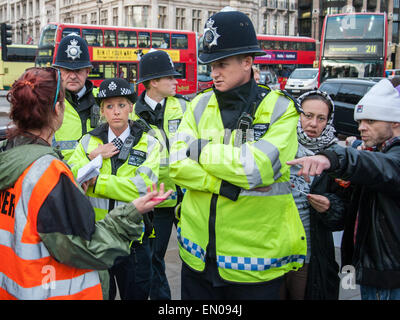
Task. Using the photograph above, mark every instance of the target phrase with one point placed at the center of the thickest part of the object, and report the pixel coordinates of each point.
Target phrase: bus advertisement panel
(19, 58)
(116, 51)
(353, 45)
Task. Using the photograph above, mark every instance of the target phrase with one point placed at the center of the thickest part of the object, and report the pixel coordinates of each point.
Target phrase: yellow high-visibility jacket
(72, 129)
(253, 236)
(173, 113)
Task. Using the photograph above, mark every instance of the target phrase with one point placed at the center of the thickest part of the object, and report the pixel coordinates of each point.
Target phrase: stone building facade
(28, 16)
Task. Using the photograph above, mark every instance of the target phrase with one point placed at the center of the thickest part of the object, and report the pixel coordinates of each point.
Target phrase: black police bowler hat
(226, 34)
(72, 53)
(115, 87)
(156, 64)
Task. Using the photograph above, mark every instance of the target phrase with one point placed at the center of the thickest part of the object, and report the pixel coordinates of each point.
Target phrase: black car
(346, 93)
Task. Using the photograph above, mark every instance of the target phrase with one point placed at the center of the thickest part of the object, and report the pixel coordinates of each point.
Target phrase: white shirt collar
(81, 92)
(152, 103)
(123, 135)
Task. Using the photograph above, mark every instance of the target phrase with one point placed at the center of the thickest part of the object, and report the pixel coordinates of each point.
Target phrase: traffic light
(6, 39)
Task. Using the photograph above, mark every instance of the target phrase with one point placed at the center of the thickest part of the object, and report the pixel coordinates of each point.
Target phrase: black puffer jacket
(376, 200)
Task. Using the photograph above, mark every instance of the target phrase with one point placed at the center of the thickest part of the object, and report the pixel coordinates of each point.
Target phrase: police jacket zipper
(211, 247)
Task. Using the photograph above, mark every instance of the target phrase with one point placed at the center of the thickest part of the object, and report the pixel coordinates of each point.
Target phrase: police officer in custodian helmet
(239, 230)
(82, 113)
(162, 109)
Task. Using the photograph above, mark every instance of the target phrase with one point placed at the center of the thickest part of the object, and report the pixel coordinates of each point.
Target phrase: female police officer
(130, 164)
(50, 244)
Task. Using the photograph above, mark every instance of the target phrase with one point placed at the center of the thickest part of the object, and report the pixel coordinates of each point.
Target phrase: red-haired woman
(50, 245)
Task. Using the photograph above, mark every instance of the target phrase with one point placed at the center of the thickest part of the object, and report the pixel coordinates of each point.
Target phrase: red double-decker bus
(116, 51)
(283, 54)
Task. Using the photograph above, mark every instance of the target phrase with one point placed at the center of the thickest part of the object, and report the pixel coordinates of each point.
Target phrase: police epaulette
(264, 86)
(296, 103)
(205, 90)
(140, 122)
(182, 97)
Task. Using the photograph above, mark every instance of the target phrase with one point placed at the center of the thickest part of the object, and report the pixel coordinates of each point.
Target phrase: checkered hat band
(238, 263)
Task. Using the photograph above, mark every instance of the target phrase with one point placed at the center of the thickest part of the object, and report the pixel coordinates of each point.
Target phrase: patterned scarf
(327, 136)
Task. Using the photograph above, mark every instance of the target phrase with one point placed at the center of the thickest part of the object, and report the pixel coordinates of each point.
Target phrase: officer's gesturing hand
(151, 199)
(311, 166)
(106, 150)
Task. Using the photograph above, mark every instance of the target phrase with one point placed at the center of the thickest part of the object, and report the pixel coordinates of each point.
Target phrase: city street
(172, 260)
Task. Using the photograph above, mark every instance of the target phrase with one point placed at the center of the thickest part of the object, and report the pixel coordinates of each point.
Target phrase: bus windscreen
(355, 27)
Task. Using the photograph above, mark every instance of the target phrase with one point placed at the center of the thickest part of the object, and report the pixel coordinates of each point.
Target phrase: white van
(302, 80)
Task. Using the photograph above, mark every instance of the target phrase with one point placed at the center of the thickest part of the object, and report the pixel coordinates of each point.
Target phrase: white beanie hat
(382, 102)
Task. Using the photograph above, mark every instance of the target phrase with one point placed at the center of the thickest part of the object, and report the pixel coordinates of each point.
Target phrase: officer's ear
(247, 62)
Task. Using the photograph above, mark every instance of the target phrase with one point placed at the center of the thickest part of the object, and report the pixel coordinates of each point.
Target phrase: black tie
(118, 143)
(158, 113)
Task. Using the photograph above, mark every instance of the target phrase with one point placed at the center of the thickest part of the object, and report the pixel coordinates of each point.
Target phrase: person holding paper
(131, 160)
(51, 247)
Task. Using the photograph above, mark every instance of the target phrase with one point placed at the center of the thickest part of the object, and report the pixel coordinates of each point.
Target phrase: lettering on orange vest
(7, 210)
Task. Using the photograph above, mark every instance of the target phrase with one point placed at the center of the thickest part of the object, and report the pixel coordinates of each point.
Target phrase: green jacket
(252, 236)
(66, 220)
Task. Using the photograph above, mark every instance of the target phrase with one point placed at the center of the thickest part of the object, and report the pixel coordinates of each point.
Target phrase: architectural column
(120, 13)
(57, 13)
(154, 14)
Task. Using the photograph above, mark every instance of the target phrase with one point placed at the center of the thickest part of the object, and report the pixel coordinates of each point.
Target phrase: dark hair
(32, 100)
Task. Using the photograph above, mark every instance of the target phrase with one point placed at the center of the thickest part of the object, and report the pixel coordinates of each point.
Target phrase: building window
(162, 17)
(140, 16)
(196, 20)
(180, 18)
(274, 25)
(84, 19)
(115, 16)
(93, 18)
(265, 24)
(104, 17)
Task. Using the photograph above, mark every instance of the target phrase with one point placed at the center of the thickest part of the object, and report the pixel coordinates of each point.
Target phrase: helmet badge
(210, 34)
(112, 86)
(73, 50)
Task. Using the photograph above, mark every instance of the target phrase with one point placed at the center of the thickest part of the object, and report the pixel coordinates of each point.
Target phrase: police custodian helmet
(226, 34)
(115, 87)
(72, 53)
(156, 64)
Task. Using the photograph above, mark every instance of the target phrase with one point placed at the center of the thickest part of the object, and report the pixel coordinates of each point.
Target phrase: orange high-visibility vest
(27, 270)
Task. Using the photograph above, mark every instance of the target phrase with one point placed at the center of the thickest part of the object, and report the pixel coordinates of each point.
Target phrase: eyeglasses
(52, 69)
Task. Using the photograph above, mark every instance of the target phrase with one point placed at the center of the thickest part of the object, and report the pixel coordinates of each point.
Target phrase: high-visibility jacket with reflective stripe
(71, 130)
(259, 236)
(27, 270)
(173, 113)
(129, 182)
